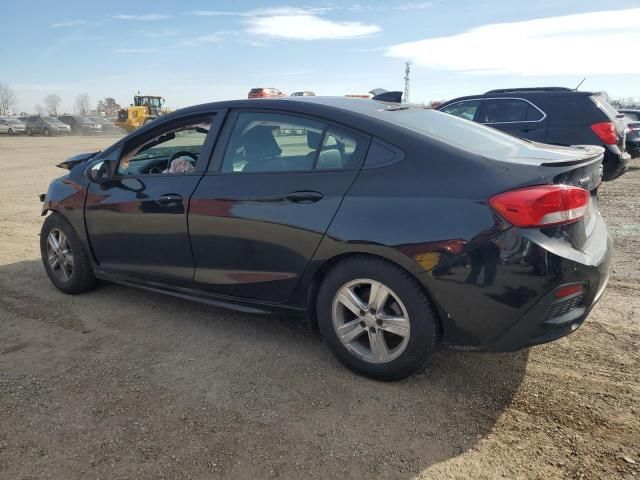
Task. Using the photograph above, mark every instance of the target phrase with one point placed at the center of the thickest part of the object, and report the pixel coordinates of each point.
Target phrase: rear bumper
(501, 295)
(614, 164)
(553, 318)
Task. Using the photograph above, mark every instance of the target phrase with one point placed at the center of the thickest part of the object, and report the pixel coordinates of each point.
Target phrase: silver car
(11, 126)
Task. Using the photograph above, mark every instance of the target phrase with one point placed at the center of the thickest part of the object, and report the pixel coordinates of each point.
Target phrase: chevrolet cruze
(394, 227)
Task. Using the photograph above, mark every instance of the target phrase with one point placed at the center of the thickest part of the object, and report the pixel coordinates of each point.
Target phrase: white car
(11, 126)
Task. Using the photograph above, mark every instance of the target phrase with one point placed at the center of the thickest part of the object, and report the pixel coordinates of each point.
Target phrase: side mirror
(101, 171)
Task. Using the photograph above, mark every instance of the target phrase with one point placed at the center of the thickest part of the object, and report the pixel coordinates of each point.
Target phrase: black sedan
(394, 227)
(81, 125)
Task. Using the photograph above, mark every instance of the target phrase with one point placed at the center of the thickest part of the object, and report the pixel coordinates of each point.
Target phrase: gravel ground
(122, 383)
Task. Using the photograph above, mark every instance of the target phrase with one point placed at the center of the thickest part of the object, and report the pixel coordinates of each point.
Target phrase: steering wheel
(183, 153)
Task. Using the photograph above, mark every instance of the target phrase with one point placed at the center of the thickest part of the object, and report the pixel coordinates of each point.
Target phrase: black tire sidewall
(82, 277)
(424, 322)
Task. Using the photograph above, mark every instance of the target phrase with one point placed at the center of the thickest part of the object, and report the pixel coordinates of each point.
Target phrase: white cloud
(298, 24)
(213, 13)
(144, 17)
(71, 23)
(582, 44)
(135, 50)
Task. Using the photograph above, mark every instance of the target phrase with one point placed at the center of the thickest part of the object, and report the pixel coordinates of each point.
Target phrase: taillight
(569, 290)
(542, 205)
(606, 131)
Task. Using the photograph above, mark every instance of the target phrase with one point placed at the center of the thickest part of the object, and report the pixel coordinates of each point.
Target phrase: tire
(46, 132)
(79, 278)
(29, 132)
(403, 355)
(10, 132)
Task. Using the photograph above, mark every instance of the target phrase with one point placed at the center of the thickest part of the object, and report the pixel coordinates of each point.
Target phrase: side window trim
(544, 115)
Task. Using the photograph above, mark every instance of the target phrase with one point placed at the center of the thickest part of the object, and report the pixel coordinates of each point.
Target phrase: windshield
(13, 121)
(84, 120)
(463, 134)
(51, 120)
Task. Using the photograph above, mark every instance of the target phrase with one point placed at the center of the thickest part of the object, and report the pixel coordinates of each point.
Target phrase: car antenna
(580, 83)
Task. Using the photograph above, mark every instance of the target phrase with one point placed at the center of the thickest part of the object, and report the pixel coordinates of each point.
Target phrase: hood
(71, 162)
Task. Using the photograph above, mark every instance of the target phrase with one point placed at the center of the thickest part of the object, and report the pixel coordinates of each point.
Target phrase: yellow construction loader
(144, 109)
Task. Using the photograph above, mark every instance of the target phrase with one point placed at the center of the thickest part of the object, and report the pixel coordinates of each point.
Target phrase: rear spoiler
(71, 162)
(383, 95)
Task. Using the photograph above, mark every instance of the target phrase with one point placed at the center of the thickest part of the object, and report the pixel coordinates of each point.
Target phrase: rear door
(517, 116)
(273, 187)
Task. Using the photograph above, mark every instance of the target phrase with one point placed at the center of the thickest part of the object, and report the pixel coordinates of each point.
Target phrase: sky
(199, 51)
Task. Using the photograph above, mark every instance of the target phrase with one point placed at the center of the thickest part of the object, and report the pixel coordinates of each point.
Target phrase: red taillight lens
(541, 206)
(569, 290)
(606, 131)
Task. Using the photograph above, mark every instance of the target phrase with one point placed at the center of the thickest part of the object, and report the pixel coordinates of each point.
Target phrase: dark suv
(554, 115)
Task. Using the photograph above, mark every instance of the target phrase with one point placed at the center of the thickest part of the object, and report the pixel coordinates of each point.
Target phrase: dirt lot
(122, 383)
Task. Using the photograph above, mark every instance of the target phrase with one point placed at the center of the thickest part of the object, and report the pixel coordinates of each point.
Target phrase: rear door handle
(169, 199)
(303, 196)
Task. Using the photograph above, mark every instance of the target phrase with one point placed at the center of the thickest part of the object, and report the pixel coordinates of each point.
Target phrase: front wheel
(29, 132)
(46, 132)
(376, 318)
(64, 257)
(11, 132)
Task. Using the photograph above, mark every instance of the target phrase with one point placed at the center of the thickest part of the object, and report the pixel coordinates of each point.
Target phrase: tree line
(51, 104)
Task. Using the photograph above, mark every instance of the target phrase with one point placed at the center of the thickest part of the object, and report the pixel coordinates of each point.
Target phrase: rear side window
(274, 142)
(509, 110)
(466, 109)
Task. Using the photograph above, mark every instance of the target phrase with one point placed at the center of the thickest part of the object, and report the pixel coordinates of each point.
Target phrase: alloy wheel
(59, 254)
(371, 321)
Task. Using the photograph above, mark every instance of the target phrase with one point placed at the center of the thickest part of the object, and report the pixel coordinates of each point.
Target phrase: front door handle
(169, 199)
(303, 196)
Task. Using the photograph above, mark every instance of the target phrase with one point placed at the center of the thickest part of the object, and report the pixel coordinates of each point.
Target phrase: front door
(137, 219)
(258, 216)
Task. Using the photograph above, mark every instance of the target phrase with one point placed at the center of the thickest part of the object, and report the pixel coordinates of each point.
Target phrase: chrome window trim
(544, 115)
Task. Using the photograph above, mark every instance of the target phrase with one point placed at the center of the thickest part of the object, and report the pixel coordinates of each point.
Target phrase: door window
(269, 142)
(510, 110)
(173, 151)
(274, 142)
(466, 109)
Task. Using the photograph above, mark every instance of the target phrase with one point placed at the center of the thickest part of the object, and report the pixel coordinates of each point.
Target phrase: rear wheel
(64, 257)
(29, 132)
(11, 131)
(376, 318)
(46, 132)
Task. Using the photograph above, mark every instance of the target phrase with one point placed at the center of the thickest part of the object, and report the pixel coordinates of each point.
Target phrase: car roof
(524, 93)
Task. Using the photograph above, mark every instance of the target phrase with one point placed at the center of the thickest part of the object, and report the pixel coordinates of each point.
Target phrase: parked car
(108, 125)
(81, 125)
(553, 115)
(305, 93)
(394, 227)
(265, 92)
(45, 126)
(633, 134)
(11, 126)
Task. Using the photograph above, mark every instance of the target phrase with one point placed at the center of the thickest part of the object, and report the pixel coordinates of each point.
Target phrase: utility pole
(407, 70)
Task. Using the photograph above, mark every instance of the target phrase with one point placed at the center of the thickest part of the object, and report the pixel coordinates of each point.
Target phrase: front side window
(173, 151)
(508, 110)
(466, 109)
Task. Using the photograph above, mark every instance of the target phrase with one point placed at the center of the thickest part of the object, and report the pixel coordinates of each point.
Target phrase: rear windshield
(463, 134)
